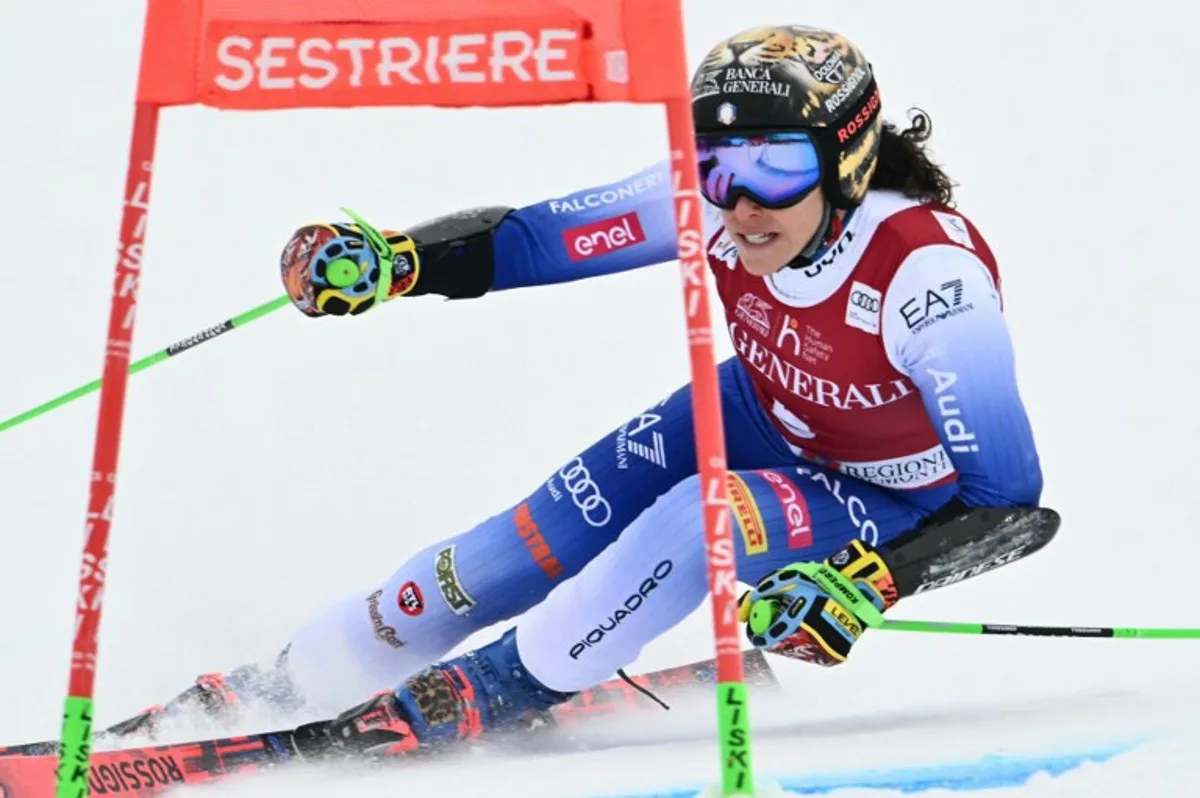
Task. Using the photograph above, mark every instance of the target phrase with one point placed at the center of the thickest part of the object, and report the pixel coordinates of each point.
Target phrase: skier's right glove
(789, 613)
(342, 268)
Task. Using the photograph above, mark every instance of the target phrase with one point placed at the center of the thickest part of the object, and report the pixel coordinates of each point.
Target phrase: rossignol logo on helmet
(861, 119)
(846, 90)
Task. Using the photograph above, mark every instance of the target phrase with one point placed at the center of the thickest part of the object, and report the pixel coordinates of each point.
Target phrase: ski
(28, 771)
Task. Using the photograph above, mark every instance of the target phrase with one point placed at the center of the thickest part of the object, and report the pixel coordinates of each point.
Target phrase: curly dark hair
(905, 166)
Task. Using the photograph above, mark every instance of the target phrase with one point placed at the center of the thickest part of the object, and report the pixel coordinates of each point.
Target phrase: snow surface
(245, 498)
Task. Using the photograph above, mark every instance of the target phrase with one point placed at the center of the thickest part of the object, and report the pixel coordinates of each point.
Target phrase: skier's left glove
(343, 269)
(816, 611)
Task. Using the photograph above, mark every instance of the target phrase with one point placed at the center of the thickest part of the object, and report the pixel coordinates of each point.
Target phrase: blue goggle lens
(775, 170)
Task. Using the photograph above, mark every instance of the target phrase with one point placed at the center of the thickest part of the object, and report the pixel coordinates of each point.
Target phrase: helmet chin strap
(827, 233)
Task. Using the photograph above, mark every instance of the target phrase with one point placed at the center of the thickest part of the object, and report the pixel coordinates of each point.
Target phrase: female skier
(872, 393)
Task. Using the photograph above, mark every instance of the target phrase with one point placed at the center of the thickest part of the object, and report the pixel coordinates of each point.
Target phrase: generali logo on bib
(602, 237)
(345, 63)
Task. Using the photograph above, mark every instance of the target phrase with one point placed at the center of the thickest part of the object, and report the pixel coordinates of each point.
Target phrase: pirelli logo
(749, 519)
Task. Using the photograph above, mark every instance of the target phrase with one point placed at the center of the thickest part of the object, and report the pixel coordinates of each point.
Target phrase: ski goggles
(774, 170)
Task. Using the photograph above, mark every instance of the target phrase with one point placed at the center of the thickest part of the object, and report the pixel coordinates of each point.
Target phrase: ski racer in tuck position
(872, 393)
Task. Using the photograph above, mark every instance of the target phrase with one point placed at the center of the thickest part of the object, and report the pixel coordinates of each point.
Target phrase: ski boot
(484, 692)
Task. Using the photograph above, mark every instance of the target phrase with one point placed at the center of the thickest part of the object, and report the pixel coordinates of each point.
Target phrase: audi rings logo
(585, 493)
(867, 303)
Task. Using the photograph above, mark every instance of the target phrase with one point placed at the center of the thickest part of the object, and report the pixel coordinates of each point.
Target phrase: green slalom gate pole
(945, 627)
(174, 349)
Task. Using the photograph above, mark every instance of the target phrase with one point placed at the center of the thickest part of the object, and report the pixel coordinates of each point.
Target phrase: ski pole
(150, 360)
(836, 584)
(942, 627)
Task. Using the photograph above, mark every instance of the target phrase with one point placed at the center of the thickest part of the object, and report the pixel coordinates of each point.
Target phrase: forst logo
(446, 569)
(602, 237)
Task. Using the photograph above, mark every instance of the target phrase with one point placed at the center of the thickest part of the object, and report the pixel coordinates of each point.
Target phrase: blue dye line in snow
(988, 773)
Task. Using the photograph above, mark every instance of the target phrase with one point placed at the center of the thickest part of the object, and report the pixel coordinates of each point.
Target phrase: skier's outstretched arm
(599, 230)
(943, 327)
(602, 230)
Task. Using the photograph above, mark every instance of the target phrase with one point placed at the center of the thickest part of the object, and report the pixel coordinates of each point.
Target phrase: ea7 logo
(652, 447)
(935, 304)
